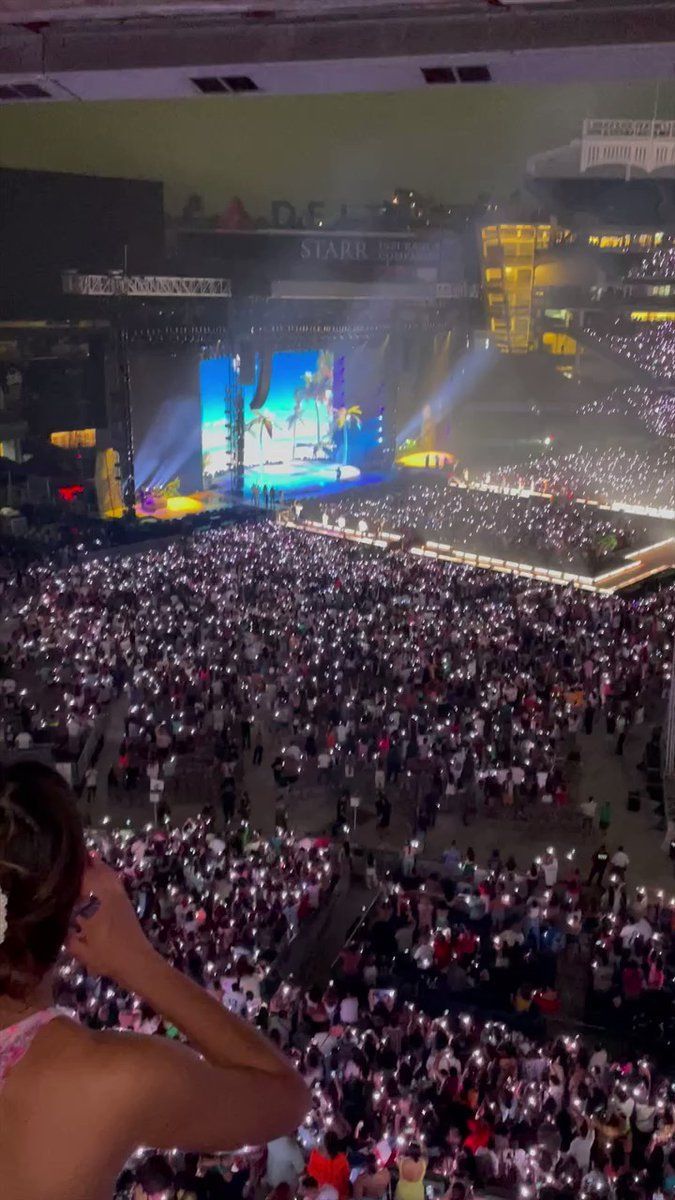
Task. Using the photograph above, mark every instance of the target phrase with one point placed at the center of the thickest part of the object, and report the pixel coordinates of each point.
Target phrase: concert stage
(209, 427)
(212, 422)
(290, 482)
(303, 478)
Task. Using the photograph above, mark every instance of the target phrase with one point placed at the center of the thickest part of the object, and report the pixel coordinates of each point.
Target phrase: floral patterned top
(16, 1040)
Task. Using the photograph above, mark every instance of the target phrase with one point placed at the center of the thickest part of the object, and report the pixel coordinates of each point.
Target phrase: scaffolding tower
(120, 287)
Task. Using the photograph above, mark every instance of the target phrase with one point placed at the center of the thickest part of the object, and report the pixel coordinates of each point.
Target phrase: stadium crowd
(492, 935)
(658, 264)
(651, 347)
(400, 669)
(651, 407)
(444, 684)
(644, 477)
(428, 1054)
(528, 528)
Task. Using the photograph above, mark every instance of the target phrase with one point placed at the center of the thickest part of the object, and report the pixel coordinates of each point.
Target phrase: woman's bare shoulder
(137, 1062)
(65, 1046)
(94, 1046)
(62, 1035)
(68, 1063)
(72, 1094)
(62, 1052)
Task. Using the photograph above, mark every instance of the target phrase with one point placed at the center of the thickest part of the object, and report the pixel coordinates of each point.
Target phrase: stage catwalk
(302, 478)
(289, 480)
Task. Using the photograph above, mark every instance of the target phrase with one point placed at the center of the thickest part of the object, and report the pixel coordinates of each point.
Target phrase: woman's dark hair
(155, 1175)
(124, 1183)
(42, 861)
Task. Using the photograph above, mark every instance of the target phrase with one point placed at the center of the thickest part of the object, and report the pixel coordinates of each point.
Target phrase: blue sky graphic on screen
(303, 426)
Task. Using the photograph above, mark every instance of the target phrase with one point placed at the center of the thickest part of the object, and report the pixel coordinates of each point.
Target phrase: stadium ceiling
(169, 49)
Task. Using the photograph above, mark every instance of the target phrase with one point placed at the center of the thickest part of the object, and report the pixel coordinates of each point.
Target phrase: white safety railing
(644, 145)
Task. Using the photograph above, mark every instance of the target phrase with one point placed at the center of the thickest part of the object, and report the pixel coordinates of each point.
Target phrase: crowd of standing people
(529, 529)
(451, 685)
(444, 684)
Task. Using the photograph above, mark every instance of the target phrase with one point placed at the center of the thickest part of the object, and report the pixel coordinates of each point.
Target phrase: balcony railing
(609, 128)
(644, 145)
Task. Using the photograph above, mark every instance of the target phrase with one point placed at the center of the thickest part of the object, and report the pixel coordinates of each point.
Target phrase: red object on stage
(69, 493)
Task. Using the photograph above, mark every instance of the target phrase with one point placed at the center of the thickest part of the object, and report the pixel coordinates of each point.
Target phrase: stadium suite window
(661, 315)
(73, 439)
(624, 241)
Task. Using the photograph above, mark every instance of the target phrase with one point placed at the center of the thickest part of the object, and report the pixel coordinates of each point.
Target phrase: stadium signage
(249, 257)
(329, 248)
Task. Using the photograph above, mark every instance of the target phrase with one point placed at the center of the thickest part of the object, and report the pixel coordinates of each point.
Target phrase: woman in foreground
(74, 1104)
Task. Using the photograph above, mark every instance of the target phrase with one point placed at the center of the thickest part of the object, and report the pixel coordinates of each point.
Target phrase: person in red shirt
(479, 1134)
(332, 1167)
(466, 942)
(350, 958)
(547, 1001)
(442, 950)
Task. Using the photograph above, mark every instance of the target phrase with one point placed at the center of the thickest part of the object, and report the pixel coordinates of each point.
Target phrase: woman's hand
(106, 936)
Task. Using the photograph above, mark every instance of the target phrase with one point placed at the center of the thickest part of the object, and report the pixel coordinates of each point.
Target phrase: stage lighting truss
(116, 283)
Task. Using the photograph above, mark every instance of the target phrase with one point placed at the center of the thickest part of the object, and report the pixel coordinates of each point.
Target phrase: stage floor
(292, 479)
(302, 478)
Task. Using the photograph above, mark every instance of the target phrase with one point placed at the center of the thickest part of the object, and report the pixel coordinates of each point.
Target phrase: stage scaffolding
(121, 288)
(116, 283)
(169, 310)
